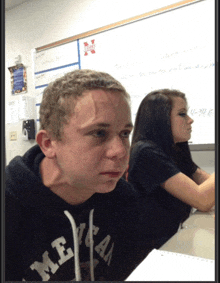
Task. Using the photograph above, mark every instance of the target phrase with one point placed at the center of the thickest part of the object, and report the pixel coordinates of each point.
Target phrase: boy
(69, 214)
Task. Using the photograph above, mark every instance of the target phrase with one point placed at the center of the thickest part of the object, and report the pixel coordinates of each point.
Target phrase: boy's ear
(43, 138)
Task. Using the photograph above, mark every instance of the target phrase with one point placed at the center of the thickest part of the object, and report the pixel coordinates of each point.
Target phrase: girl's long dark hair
(153, 119)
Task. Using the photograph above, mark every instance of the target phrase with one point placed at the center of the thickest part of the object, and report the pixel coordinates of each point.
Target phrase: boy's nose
(117, 148)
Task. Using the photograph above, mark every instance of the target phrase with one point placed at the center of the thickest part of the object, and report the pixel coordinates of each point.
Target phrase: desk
(196, 238)
(188, 256)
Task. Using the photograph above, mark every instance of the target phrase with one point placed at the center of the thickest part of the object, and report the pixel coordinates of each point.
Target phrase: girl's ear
(43, 138)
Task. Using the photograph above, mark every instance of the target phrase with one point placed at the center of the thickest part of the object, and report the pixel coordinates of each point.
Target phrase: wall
(205, 159)
(38, 22)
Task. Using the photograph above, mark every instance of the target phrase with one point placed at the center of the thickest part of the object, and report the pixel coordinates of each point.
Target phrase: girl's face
(180, 121)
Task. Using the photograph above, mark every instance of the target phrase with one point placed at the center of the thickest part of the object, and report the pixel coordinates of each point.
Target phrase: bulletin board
(171, 47)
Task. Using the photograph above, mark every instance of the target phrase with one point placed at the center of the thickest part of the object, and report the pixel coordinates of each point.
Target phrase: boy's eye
(125, 134)
(99, 133)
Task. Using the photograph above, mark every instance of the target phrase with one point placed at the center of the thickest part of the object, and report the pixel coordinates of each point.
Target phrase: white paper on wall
(12, 112)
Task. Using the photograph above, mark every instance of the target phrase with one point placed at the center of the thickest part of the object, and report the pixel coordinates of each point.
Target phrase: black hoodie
(39, 240)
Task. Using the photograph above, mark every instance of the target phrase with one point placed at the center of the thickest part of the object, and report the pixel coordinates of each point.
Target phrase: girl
(161, 166)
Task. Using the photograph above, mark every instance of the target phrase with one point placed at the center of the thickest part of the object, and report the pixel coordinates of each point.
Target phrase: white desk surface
(188, 256)
(196, 238)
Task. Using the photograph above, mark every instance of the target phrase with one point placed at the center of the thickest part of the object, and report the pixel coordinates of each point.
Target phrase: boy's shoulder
(125, 190)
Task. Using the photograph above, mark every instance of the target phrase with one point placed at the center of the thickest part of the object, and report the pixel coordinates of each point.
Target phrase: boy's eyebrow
(104, 125)
(129, 125)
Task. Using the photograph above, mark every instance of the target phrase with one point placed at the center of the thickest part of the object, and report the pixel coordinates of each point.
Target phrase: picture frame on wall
(18, 79)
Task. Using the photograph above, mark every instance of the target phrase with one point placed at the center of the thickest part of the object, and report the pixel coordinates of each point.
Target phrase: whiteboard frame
(202, 147)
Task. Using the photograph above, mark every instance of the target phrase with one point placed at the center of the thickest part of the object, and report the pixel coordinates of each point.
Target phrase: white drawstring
(91, 244)
(76, 245)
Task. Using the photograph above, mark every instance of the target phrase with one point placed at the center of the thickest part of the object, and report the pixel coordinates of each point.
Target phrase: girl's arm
(200, 196)
(200, 176)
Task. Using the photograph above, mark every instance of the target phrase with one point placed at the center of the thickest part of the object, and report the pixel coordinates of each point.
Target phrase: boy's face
(94, 151)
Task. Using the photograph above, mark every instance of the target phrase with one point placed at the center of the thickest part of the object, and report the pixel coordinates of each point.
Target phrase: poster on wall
(18, 79)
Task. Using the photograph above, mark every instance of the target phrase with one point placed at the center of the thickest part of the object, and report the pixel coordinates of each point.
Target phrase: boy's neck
(53, 178)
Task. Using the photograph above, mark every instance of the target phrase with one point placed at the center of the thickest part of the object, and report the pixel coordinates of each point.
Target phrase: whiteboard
(174, 49)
